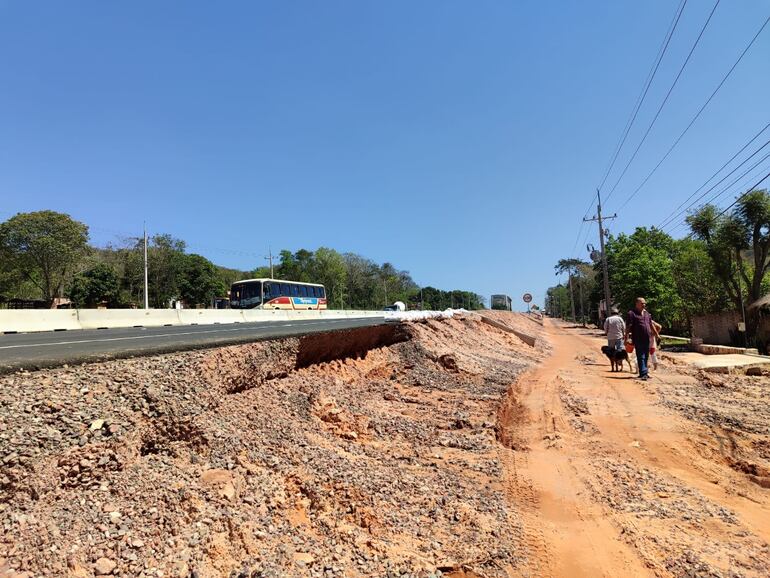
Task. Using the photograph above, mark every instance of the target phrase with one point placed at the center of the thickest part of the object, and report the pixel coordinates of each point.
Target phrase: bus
(276, 294)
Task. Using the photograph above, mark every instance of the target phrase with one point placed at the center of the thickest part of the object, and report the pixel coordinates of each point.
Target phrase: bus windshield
(246, 295)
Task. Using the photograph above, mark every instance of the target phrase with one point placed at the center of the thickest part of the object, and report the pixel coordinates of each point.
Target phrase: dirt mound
(370, 454)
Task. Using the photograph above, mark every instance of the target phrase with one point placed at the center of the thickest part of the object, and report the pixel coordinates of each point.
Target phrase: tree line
(721, 265)
(46, 255)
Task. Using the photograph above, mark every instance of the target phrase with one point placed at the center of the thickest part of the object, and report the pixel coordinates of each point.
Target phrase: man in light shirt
(615, 328)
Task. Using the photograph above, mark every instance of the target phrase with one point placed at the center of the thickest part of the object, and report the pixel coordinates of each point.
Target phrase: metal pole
(146, 292)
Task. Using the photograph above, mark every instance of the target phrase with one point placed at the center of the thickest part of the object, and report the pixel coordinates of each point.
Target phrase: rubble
(266, 459)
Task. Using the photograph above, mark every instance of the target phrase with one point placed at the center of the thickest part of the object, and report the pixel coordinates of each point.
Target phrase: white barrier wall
(30, 320)
(112, 318)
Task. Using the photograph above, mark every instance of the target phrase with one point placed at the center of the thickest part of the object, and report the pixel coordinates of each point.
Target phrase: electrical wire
(728, 187)
(665, 100)
(719, 170)
(679, 212)
(697, 114)
(648, 82)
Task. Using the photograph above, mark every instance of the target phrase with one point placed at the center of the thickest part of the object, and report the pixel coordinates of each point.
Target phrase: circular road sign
(527, 298)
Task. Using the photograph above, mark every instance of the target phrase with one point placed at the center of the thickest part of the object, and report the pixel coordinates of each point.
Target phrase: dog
(617, 357)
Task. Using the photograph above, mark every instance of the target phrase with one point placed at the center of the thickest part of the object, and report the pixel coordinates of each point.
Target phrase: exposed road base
(32, 351)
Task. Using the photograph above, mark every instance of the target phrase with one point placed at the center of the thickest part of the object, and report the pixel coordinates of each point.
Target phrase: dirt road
(617, 477)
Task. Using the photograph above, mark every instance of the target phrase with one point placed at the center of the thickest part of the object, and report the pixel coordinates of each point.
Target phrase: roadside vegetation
(46, 256)
(721, 265)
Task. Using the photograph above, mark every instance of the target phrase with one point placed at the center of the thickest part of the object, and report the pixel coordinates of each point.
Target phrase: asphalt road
(49, 349)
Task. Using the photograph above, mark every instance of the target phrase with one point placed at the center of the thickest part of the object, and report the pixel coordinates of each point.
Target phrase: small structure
(501, 302)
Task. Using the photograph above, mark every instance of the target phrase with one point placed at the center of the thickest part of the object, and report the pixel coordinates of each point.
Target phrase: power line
(697, 114)
(679, 212)
(665, 100)
(737, 200)
(638, 104)
(743, 186)
(645, 89)
(719, 170)
(738, 178)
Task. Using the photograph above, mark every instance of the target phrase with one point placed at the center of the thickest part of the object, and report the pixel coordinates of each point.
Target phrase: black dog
(617, 357)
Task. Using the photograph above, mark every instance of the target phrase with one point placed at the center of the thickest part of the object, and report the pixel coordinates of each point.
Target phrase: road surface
(47, 349)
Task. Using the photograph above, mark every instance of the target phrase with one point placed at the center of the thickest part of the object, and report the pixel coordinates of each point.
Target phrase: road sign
(527, 298)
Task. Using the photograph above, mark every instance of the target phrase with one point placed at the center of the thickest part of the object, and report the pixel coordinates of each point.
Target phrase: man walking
(615, 328)
(639, 326)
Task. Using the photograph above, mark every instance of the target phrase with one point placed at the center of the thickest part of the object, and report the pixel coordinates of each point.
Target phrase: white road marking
(165, 335)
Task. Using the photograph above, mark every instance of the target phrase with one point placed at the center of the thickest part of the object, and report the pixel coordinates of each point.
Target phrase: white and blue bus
(276, 294)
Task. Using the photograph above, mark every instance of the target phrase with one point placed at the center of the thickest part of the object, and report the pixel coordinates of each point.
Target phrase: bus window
(294, 290)
(285, 289)
(316, 292)
(303, 290)
(322, 291)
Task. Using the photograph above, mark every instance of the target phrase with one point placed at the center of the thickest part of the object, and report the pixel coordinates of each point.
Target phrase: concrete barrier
(28, 320)
(210, 316)
(528, 339)
(31, 320)
(255, 315)
(112, 318)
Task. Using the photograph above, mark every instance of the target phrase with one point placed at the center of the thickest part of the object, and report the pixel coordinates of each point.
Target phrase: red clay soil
(447, 448)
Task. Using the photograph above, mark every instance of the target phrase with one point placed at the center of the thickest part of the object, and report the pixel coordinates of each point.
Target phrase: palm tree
(572, 268)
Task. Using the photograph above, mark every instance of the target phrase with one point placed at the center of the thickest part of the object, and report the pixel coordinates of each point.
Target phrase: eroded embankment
(369, 453)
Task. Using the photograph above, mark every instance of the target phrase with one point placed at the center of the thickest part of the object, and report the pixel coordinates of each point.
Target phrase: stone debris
(257, 461)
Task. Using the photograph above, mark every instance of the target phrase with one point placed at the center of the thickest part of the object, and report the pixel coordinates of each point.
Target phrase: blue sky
(458, 140)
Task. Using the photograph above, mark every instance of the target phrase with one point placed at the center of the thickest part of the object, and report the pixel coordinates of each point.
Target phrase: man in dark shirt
(639, 326)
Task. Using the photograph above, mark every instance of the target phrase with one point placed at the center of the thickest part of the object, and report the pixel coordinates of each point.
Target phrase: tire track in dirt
(611, 482)
(565, 532)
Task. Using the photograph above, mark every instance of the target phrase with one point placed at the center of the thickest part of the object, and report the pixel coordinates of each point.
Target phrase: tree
(640, 265)
(165, 262)
(328, 268)
(199, 281)
(44, 247)
(99, 284)
(696, 279)
(572, 267)
(738, 244)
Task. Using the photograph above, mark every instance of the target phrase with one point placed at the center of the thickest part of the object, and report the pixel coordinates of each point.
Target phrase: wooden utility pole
(605, 274)
(269, 257)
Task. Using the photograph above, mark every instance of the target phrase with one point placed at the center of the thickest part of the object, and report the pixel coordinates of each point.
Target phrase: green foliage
(199, 281)
(43, 248)
(40, 253)
(165, 258)
(96, 285)
(557, 301)
(699, 288)
(645, 271)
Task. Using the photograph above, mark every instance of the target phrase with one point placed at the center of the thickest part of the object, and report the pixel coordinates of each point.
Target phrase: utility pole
(146, 292)
(269, 257)
(422, 304)
(600, 219)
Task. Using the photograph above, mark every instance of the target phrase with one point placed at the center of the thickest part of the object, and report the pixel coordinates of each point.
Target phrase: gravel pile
(242, 462)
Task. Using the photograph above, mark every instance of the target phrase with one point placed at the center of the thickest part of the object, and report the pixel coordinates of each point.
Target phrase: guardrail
(33, 320)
